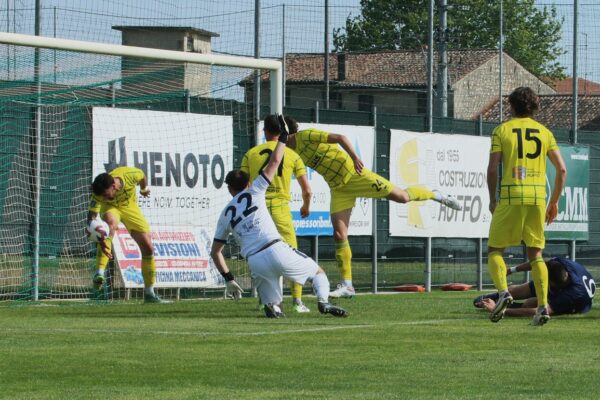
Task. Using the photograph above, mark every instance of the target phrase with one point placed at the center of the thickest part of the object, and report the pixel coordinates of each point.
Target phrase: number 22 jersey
(247, 217)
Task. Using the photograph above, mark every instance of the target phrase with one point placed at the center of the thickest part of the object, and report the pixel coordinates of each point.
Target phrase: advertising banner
(185, 158)
(572, 220)
(182, 257)
(454, 165)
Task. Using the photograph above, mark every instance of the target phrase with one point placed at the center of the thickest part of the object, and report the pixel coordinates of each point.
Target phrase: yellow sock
(497, 269)
(148, 270)
(101, 258)
(539, 273)
(343, 255)
(418, 193)
(296, 290)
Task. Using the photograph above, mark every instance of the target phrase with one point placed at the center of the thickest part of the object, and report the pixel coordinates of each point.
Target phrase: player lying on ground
(114, 198)
(268, 256)
(571, 290)
(334, 158)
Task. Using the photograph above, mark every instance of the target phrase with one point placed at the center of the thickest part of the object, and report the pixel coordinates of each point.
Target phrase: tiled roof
(556, 111)
(584, 87)
(385, 68)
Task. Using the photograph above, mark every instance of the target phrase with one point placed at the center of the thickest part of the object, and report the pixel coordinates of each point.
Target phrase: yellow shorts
(131, 216)
(512, 224)
(368, 184)
(282, 216)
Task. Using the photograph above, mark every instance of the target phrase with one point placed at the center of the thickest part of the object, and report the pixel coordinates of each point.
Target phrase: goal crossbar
(273, 66)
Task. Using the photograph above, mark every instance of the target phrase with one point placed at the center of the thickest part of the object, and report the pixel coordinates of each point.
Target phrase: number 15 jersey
(247, 217)
(524, 144)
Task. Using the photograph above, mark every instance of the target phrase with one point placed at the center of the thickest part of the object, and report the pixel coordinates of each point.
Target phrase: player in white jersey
(268, 256)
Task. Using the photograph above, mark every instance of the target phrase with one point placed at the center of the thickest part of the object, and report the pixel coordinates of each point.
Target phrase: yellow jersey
(257, 158)
(328, 159)
(130, 176)
(524, 144)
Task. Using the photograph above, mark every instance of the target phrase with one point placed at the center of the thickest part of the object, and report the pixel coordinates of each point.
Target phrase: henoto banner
(319, 223)
(185, 158)
(453, 164)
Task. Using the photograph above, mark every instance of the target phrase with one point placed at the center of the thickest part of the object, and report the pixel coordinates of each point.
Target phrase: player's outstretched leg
(446, 200)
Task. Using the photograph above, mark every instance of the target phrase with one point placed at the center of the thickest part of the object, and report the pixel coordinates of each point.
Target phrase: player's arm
(559, 184)
(232, 288)
(271, 169)
(489, 305)
(144, 188)
(306, 196)
(523, 267)
(345, 143)
(492, 177)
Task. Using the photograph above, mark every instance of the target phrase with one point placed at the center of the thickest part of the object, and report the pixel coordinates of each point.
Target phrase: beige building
(396, 81)
(166, 76)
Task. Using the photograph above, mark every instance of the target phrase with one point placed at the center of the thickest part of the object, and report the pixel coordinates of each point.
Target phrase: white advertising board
(182, 257)
(453, 164)
(184, 156)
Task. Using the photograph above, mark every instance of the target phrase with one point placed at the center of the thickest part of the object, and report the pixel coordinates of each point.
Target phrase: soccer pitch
(393, 346)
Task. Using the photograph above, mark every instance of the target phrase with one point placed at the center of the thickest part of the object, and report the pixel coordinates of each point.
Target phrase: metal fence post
(374, 244)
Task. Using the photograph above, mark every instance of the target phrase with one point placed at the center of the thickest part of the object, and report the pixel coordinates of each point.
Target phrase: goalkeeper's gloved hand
(145, 191)
(283, 136)
(233, 290)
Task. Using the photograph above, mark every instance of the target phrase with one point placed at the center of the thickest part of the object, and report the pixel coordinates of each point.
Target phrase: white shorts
(269, 265)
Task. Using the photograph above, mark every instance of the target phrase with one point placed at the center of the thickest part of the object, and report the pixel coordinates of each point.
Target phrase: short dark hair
(271, 125)
(524, 101)
(101, 183)
(237, 180)
(557, 273)
(292, 124)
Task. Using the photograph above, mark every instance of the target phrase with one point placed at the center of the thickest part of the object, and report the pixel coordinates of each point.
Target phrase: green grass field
(393, 346)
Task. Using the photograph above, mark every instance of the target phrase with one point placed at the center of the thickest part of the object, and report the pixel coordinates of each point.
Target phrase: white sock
(437, 196)
(320, 285)
(100, 272)
(347, 283)
(149, 290)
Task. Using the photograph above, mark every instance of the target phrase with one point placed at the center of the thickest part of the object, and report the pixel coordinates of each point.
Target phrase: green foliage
(395, 346)
(531, 33)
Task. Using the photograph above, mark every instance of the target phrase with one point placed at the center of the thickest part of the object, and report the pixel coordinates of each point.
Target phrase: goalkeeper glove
(233, 290)
(145, 191)
(283, 136)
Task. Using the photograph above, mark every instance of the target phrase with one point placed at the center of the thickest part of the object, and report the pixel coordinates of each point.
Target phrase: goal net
(70, 110)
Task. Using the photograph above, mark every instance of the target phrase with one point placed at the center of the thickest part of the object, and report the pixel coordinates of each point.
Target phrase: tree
(531, 34)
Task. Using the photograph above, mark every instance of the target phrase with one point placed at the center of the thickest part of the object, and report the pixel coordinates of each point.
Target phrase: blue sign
(316, 224)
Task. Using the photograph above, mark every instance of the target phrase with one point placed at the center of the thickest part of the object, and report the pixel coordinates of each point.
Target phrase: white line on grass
(202, 334)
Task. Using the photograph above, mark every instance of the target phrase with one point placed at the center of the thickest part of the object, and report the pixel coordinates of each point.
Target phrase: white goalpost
(85, 108)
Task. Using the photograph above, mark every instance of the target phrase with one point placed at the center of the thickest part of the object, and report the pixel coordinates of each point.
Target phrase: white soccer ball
(97, 230)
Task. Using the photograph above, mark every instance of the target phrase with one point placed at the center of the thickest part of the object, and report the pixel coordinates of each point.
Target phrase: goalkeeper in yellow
(518, 214)
(114, 198)
(278, 193)
(334, 158)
